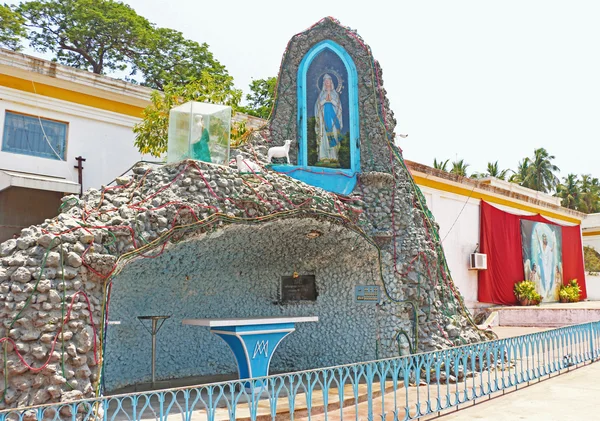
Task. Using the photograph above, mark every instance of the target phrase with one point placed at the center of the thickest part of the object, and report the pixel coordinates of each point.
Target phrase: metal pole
(154, 331)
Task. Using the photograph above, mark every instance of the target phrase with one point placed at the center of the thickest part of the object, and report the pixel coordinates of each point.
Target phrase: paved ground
(568, 397)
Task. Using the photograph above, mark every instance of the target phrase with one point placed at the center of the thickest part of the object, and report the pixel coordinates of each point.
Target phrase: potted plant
(525, 292)
(570, 293)
(575, 290)
(536, 299)
(563, 294)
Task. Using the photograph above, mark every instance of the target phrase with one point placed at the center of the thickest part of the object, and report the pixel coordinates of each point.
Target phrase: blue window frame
(35, 136)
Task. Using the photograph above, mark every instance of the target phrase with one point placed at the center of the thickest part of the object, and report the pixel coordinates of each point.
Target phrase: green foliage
(108, 35)
(459, 168)
(261, 97)
(12, 28)
(440, 165)
(494, 171)
(525, 291)
(590, 194)
(580, 194)
(569, 192)
(570, 292)
(521, 175)
(592, 259)
(542, 172)
(165, 56)
(96, 35)
(152, 132)
(537, 173)
(239, 133)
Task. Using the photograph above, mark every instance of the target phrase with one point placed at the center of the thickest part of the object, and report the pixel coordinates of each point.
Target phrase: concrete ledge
(551, 315)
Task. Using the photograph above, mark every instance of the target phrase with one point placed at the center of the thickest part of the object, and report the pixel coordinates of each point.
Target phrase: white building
(49, 116)
(455, 203)
(591, 237)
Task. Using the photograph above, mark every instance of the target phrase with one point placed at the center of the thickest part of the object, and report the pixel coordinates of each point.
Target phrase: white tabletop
(248, 321)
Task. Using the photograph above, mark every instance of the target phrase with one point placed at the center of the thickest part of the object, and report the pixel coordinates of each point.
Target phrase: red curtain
(500, 234)
(572, 251)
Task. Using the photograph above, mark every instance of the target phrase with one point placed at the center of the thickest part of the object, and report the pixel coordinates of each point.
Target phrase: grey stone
(86, 238)
(85, 339)
(72, 395)
(53, 259)
(30, 335)
(20, 383)
(41, 396)
(8, 247)
(21, 275)
(54, 297)
(73, 259)
(44, 286)
(78, 248)
(24, 243)
(121, 181)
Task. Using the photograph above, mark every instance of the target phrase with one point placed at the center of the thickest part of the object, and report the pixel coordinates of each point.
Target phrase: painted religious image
(327, 110)
(542, 257)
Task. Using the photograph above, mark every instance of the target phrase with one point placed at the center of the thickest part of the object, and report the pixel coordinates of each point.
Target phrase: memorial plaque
(300, 288)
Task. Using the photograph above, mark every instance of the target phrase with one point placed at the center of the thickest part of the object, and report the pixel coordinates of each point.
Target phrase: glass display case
(200, 131)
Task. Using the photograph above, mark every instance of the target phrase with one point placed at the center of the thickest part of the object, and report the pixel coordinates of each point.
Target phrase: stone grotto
(195, 239)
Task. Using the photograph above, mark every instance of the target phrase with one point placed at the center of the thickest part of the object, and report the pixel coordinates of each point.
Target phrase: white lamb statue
(246, 165)
(280, 151)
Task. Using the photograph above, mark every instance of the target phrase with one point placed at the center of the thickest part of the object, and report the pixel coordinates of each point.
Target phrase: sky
(473, 79)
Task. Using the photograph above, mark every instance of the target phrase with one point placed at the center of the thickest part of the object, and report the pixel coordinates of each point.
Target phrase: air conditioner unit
(478, 261)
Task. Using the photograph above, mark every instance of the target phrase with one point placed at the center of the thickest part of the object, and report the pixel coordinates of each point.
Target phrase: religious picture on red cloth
(542, 257)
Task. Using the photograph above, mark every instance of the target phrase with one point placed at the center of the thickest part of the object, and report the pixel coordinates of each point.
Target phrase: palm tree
(541, 174)
(569, 192)
(494, 171)
(439, 165)
(459, 168)
(590, 188)
(521, 176)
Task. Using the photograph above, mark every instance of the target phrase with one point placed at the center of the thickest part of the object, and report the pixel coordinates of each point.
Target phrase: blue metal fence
(404, 388)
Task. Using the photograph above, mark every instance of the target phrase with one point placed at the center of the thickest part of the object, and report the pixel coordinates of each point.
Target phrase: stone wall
(229, 274)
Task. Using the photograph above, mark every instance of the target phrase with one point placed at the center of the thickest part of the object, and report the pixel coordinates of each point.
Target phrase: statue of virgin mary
(329, 123)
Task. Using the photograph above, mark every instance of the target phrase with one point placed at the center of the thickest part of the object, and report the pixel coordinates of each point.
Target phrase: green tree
(440, 165)
(12, 28)
(151, 132)
(261, 97)
(165, 56)
(494, 171)
(541, 174)
(569, 192)
(459, 167)
(590, 190)
(96, 35)
(521, 176)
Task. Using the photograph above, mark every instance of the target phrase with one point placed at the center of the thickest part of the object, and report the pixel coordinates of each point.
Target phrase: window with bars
(35, 136)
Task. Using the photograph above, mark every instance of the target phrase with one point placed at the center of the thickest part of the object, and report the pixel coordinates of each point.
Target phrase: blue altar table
(252, 340)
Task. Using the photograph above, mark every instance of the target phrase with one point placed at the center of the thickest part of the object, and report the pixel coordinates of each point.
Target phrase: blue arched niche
(328, 159)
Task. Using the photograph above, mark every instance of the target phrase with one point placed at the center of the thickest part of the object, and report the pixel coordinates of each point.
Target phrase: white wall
(592, 282)
(592, 241)
(458, 218)
(592, 285)
(105, 139)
